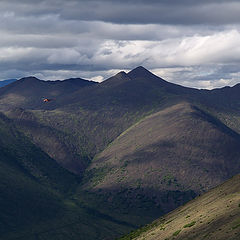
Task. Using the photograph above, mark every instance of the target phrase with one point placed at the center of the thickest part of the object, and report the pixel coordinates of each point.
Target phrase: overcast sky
(195, 43)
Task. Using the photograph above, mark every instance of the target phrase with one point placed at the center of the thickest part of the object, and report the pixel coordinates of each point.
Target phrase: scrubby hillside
(214, 215)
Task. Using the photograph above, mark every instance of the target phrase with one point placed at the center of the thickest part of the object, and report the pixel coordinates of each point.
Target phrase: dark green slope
(214, 215)
(30, 159)
(58, 144)
(30, 181)
(37, 201)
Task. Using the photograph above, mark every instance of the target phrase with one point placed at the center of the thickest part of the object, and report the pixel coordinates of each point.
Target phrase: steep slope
(37, 200)
(30, 181)
(58, 144)
(142, 74)
(18, 151)
(214, 215)
(166, 158)
(28, 92)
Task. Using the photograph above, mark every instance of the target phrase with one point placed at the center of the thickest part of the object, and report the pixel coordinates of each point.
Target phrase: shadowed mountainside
(37, 200)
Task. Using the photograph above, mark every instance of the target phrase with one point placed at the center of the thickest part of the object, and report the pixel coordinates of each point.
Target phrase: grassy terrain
(214, 215)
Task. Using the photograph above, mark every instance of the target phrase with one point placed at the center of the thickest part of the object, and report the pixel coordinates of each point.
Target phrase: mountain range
(109, 157)
(6, 82)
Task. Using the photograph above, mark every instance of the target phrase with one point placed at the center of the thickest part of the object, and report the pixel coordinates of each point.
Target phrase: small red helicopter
(46, 100)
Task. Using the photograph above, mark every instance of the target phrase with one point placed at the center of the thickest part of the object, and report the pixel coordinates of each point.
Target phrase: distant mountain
(6, 82)
(137, 89)
(29, 92)
(214, 215)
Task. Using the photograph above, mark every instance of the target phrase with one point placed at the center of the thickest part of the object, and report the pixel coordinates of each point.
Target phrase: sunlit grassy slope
(214, 215)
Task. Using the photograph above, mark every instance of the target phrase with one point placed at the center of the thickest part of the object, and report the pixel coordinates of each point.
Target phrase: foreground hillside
(214, 215)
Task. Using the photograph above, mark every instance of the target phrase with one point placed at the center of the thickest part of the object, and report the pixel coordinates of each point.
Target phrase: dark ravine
(135, 144)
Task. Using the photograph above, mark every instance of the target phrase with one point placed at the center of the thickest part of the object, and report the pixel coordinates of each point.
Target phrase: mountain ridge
(134, 142)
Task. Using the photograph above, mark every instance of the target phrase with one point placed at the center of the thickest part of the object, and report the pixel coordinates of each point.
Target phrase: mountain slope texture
(214, 215)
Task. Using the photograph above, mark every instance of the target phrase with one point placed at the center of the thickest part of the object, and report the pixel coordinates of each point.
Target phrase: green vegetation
(136, 233)
(177, 232)
(236, 226)
(189, 224)
(216, 220)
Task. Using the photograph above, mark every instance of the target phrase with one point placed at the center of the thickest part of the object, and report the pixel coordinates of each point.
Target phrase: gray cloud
(137, 11)
(195, 43)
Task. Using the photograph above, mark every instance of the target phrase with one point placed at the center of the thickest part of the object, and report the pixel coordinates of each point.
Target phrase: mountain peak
(121, 74)
(140, 68)
(139, 72)
(30, 78)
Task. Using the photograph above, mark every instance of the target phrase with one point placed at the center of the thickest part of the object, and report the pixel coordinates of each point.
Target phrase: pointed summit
(140, 72)
(30, 78)
(117, 79)
(121, 74)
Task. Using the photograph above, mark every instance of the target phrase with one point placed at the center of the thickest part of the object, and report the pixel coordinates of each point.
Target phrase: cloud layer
(194, 43)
